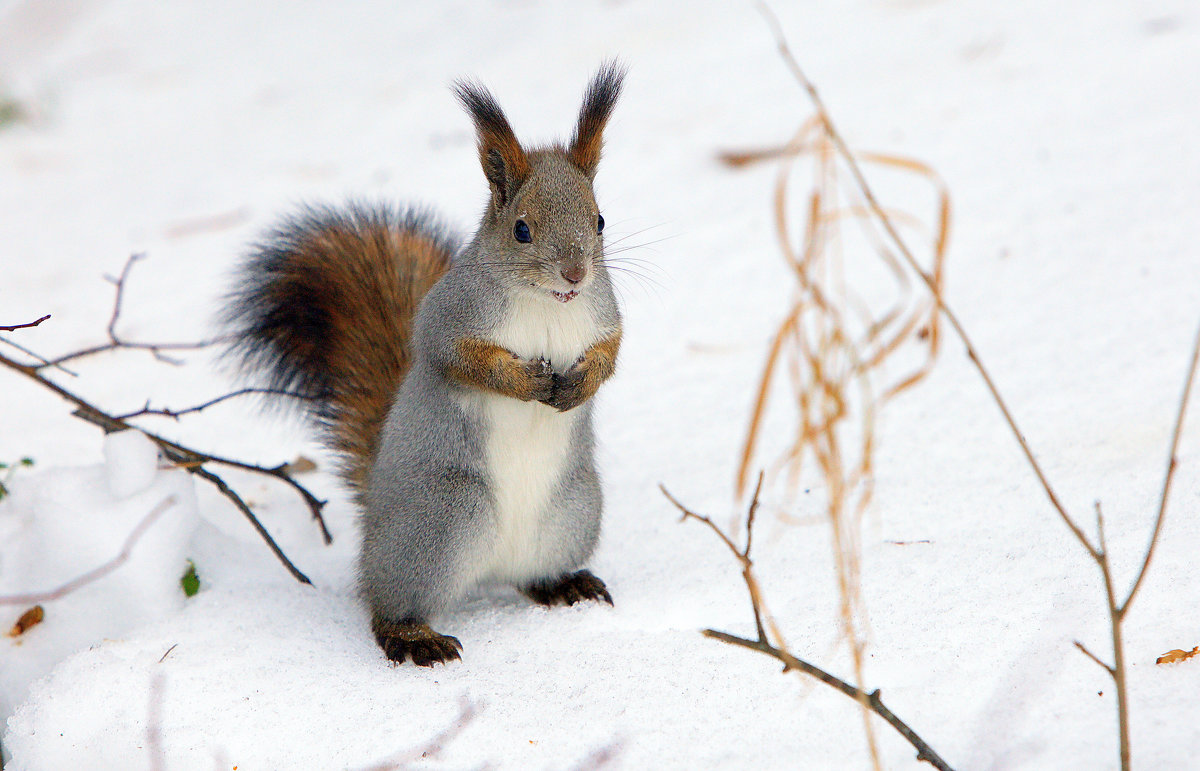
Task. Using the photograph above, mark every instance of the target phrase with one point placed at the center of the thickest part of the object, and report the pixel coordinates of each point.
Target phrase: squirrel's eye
(599, 223)
(521, 232)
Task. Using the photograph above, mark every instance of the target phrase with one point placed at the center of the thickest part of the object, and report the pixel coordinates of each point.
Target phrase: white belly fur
(527, 446)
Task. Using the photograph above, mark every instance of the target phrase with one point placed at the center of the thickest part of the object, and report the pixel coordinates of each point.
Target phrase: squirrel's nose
(573, 272)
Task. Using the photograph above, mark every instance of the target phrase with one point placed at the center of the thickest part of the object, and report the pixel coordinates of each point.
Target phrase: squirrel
(453, 381)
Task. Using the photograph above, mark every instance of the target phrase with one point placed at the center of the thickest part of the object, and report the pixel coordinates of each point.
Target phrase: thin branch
(872, 699)
(689, 514)
(186, 457)
(750, 515)
(115, 342)
(743, 556)
(40, 359)
(1083, 649)
(228, 492)
(176, 414)
(1118, 668)
(1172, 463)
(120, 284)
(280, 472)
(95, 574)
(756, 600)
(26, 325)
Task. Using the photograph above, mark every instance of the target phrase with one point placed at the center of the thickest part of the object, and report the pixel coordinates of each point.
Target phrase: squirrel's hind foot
(568, 590)
(413, 639)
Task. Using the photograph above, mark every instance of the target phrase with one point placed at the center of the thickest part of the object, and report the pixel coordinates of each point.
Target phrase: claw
(570, 589)
(414, 640)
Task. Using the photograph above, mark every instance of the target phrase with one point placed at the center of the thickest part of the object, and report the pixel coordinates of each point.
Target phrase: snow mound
(60, 524)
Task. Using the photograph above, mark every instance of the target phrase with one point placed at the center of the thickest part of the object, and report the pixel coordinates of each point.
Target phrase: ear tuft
(598, 102)
(504, 161)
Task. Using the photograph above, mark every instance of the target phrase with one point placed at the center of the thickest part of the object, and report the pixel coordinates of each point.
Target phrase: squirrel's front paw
(571, 389)
(541, 379)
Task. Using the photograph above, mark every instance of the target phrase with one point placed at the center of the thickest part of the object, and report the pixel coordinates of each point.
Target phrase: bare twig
(185, 457)
(99, 572)
(168, 412)
(1083, 649)
(26, 325)
(870, 701)
(1117, 670)
(1117, 611)
(115, 342)
(1172, 463)
(262, 531)
(743, 555)
(42, 360)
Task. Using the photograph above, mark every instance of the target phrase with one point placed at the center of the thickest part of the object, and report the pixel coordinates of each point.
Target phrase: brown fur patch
(371, 279)
(600, 362)
(486, 366)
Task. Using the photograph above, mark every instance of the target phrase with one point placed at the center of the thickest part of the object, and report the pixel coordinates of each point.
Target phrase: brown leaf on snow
(301, 465)
(28, 619)
(1170, 657)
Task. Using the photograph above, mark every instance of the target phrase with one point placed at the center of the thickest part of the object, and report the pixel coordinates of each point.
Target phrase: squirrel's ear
(598, 103)
(504, 162)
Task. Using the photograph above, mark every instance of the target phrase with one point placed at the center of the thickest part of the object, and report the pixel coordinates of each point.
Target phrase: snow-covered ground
(180, 130)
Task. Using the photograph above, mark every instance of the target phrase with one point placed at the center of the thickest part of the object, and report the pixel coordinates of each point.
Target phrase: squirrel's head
(542, 226)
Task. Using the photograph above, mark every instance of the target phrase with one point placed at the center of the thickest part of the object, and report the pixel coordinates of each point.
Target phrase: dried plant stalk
(931, 278)
(837, 349)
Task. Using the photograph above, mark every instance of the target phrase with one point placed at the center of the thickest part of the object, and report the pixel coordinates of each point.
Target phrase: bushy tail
(324, 307)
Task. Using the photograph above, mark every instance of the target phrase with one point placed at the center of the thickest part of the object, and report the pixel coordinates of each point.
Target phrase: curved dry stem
(95, 574)
(1172, 462)
(929, 280)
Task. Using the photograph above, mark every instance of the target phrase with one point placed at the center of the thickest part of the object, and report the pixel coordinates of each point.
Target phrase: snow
(1066, 134)
(61, 523)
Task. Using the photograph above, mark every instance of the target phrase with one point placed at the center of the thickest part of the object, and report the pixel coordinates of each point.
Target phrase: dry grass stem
(932, 281)
(837, 349)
